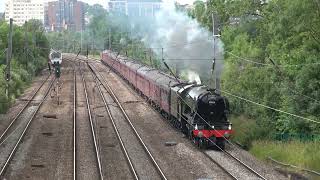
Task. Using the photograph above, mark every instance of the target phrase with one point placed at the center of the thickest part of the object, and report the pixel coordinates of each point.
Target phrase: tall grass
(302, 154)
(260, 141)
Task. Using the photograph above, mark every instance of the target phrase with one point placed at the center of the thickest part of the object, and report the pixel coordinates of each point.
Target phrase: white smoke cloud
(191, 76)
(186, 45)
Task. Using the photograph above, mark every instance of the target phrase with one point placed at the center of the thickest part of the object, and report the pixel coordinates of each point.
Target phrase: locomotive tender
(200, 113)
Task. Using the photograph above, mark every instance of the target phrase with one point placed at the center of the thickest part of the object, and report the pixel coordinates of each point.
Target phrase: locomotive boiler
(197, 111)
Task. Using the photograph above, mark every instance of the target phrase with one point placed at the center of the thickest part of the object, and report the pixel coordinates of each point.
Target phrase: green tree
(272, 49)
(26, 61)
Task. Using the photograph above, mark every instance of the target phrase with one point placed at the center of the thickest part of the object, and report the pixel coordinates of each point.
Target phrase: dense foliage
(30, 52)
(272, 52)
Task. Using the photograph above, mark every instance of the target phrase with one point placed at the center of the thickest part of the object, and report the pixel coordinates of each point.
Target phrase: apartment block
(24, 10)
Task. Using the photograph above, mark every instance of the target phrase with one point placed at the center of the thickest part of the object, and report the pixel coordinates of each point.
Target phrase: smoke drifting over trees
(186, 46)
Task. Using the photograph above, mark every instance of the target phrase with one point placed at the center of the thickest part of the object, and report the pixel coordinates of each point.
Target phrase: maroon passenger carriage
(199, 112)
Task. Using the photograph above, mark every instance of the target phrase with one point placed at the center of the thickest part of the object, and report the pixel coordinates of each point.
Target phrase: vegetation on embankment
(27, 61)
(302, 154)
(299, 150)
(272, 51)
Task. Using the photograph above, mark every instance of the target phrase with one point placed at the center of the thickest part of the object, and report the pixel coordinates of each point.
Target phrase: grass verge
(255, 139)
(301, 154)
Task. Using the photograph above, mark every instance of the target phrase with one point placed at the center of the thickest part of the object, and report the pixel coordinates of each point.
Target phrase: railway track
(137, 170)
(97, 170)
(233, 166)
(74, 123)
(9, 127)
(13, 135)
(92, 129)
(117, 133)
(135, 174)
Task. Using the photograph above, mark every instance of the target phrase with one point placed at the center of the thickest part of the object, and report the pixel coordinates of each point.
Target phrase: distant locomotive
(200, 113)
(55, 58)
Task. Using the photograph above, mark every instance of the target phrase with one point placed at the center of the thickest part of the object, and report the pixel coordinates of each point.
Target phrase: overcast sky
(102, 2)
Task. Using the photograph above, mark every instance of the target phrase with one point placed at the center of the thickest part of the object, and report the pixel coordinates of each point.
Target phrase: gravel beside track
(46, 149)
(5, 119)
(9, 142)
(114, 165)
(231, 165)
(85, 156)
(266, 170)
(140, 159)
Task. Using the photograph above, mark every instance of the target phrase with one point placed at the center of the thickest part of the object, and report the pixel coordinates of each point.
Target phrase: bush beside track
(26, 63)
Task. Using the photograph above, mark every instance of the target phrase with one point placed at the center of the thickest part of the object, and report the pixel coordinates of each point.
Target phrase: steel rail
(124, 149)
(74, 123)
(245, 165)
(4, 167)
(21, 111)
(115, 98)
(74, 116)
(220, 166)
(91, 125)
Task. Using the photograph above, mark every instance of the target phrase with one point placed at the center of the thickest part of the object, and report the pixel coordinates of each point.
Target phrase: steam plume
(186, 45)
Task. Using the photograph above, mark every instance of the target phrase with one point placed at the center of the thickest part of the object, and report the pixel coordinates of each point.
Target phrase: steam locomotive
(55, 58)
(197, 111)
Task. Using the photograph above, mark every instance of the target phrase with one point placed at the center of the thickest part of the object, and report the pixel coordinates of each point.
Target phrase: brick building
(64, 15)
